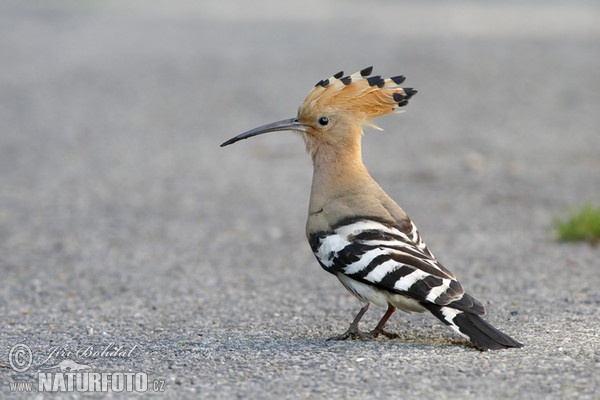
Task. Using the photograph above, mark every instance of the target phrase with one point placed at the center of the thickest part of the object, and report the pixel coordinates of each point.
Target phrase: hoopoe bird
(356, 231)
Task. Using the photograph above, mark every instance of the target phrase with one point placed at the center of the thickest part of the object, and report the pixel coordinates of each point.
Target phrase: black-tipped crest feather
(366, 71)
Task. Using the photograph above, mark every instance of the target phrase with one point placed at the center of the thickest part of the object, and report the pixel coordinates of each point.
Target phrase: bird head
(337, 108)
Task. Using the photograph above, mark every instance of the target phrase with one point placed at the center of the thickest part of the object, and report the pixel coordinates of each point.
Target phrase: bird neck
(338, 172)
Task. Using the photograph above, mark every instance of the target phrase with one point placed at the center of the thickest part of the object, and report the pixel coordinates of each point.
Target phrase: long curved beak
(291, 124)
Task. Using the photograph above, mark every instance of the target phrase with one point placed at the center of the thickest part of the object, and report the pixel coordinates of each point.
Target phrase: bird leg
(379, 328)
(353, 332)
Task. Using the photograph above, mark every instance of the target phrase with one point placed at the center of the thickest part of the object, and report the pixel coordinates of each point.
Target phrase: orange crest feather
(366, 97)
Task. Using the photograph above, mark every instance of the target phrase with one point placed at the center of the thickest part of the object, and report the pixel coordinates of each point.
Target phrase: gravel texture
(122, 221)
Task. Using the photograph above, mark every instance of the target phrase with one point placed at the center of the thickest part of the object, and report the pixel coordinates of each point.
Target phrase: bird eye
(323, 121)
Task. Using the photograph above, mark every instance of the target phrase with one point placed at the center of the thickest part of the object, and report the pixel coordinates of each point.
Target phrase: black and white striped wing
(382, 255)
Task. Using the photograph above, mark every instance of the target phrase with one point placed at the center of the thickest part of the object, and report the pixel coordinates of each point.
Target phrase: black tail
(483, 335)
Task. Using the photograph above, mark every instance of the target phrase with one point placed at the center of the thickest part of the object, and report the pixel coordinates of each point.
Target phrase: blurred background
(120, 213)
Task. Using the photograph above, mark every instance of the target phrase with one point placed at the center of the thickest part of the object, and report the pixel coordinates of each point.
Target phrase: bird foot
(353, 334)
(390, 335)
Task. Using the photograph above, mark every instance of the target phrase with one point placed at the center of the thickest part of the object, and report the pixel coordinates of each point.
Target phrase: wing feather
(390, 258)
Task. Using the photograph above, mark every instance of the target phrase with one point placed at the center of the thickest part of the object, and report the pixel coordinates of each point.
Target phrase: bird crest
(364, 96)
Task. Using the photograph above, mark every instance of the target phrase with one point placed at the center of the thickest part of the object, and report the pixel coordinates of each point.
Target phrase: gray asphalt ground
(123, 223)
